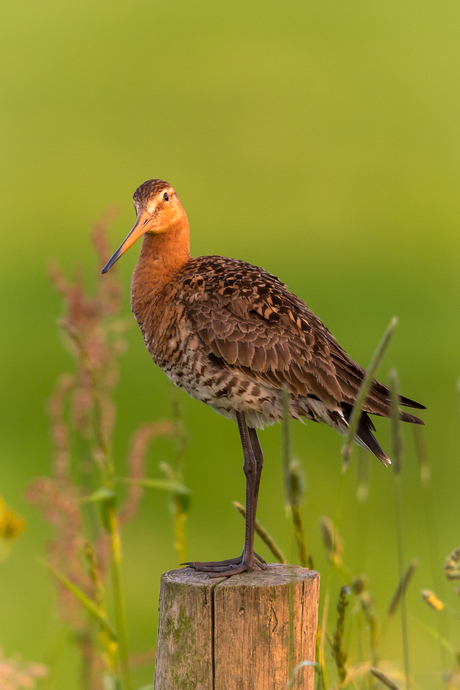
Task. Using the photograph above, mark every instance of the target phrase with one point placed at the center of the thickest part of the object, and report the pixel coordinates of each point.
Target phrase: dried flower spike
(14, 674)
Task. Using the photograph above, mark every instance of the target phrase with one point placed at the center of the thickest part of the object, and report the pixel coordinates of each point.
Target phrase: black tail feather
(407, 402)
(405, 417)
(365, 428)
(365, 437)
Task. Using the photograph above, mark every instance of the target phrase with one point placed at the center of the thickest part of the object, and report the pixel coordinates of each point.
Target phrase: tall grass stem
(321, 668)
(431, 530)
(286, 441)
(350, 437)
(293, 484)
(396, 442)
(119, 607)
(364, 390)
(362, 495)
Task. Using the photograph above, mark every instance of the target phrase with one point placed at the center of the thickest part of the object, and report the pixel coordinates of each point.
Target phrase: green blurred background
(319, 140)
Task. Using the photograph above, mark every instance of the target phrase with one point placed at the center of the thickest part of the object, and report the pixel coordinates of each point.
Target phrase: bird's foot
(231, 566)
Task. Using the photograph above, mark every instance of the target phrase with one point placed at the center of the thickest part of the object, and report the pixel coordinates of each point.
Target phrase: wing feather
(249, 320)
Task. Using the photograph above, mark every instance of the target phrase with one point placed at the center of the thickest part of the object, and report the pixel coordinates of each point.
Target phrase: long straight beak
(142, 225)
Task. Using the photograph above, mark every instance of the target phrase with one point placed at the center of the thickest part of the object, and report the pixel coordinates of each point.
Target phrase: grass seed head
(295, 483)
(331, 539)
(452, 565)
(338, 652)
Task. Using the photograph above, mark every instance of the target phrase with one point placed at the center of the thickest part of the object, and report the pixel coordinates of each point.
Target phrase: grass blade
(383, 678)
(364, 390)
(402, 586)
(93, 609)
(102, 494)
(161, 484)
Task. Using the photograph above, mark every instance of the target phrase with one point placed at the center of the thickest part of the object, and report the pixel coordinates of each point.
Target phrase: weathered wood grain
(247, 632)
(185, 631)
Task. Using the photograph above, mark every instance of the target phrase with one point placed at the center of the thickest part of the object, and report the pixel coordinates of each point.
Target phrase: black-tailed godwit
(232, 335)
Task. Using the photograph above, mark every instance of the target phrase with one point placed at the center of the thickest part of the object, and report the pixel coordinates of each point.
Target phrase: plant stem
(286, 443)
(397, 453)
(321, 668)
(300, 536)
(432, 534)
(293, 484)
(179, 513)
(107, 470)
(118, 600)
(398, 511)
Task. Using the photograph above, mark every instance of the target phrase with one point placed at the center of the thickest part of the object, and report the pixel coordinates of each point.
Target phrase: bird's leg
(253, 461)
(259, 457)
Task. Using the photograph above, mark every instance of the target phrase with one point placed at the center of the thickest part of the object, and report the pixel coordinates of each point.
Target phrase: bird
(233, 336)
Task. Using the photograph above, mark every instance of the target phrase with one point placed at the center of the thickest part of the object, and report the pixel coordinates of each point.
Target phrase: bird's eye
(166, 196)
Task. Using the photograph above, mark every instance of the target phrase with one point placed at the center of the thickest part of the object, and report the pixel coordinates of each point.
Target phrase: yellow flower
(432, 600)
(11, 525)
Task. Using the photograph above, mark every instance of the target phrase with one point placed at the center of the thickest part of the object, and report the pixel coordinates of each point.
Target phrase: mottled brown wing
(249, 320)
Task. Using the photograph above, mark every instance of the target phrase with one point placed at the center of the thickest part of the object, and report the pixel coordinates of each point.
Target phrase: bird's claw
(231, 566)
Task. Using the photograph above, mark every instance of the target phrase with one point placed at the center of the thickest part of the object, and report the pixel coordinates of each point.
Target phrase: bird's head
(158, 210)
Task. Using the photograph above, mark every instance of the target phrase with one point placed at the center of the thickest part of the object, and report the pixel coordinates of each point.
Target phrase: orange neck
(168, 251)
(162, 256)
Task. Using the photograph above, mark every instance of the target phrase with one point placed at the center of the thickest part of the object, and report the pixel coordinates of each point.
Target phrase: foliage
(81, 498)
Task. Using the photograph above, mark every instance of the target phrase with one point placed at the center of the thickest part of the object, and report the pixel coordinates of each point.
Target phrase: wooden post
(246, 632)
